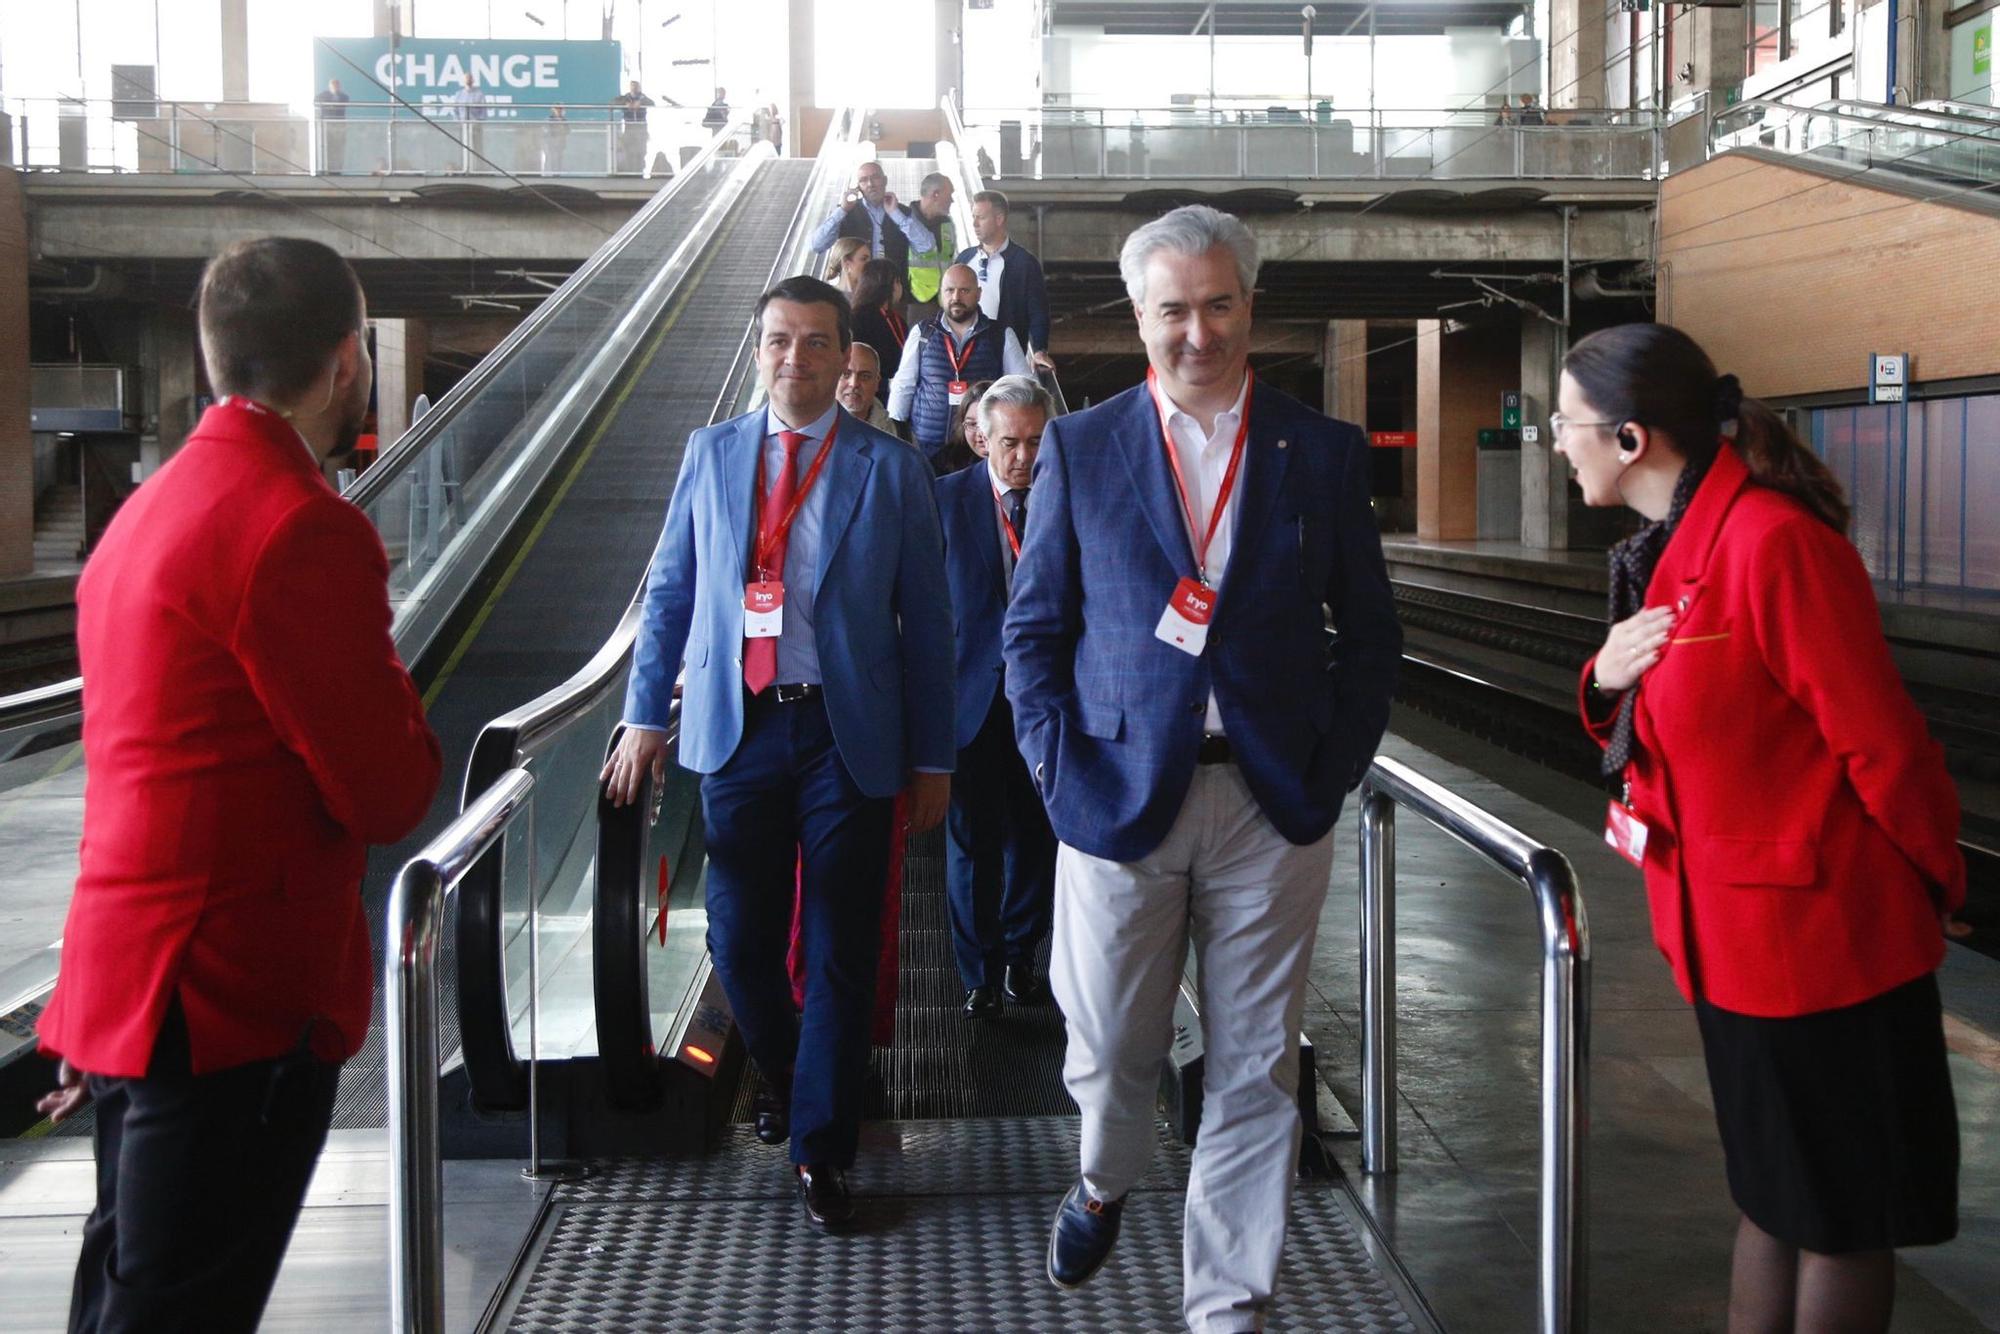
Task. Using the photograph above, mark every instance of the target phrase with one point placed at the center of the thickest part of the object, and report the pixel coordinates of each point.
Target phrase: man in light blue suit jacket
(804, 736)
(1193, 761)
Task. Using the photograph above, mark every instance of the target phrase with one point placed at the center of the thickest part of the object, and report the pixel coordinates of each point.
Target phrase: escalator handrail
(43, 706)
(408, 446)
(1910, 116)
(485, 1030)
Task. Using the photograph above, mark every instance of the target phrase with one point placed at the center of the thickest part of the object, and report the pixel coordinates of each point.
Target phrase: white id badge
(763, 609)
(955, 392)
(1184, 623)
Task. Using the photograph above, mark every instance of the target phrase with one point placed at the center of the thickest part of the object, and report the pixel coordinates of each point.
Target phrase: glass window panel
(1982, 484)
(1943, 459)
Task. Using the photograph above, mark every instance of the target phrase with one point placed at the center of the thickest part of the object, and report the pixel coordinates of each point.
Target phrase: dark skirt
(1839, 1128)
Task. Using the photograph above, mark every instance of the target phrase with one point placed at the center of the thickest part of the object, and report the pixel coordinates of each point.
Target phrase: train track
(1483, 666)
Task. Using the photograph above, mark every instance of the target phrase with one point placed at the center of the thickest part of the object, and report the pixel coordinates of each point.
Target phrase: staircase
(59, 527)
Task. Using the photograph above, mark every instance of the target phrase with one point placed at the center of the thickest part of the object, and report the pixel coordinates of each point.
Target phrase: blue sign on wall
(423, 70)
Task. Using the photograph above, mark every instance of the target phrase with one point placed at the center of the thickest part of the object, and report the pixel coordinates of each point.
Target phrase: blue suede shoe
(1081, 1239)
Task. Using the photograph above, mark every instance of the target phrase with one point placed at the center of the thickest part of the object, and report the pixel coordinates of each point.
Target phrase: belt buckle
(792, 694)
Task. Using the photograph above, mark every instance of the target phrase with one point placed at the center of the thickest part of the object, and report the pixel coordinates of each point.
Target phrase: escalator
(1922, 147)
(518, 515)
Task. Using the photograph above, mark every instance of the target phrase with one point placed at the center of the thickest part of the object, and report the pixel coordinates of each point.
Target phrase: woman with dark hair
(878, 317)
(1794, 821)
(962, 445)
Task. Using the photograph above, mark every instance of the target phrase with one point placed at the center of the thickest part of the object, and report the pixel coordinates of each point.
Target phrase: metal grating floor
(955, 1218)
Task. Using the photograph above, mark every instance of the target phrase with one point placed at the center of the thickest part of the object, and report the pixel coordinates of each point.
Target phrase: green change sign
(427, 70)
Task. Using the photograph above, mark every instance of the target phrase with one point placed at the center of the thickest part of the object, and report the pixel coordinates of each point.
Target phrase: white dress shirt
(911, 225)
(994, 263)
(1203, 459)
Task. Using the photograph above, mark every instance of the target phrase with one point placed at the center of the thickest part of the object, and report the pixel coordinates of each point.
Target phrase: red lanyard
(959, 358)
(896, 324)
(1013, 538)
(1228, 476)
(768, 546)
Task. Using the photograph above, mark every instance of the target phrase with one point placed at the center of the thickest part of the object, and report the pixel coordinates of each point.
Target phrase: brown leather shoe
(823, 1191)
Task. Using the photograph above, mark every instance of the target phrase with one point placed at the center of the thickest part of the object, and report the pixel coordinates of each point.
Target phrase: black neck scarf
(1632, 565)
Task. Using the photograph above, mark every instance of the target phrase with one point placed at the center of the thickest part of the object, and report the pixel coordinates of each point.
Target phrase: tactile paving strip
(955, 1219)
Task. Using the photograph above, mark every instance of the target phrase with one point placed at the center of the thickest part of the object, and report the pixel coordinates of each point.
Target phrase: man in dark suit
(1012, 291)
(1000, 860)
(1193, 739)
(249, 731)
(800, 581)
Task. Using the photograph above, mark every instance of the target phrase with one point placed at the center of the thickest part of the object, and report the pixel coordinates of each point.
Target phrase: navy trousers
(783, 794)
(1000, 855)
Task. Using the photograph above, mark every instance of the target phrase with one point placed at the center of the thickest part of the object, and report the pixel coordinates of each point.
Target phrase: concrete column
(1460, 378)
(385, 17)
(947, 28)
(1711, 40)
(17, 445)
(236, 50)
(1576, 53)
(799, 14)
(176, 351)
(400, 349)
(1544, 475)
(1344, 371)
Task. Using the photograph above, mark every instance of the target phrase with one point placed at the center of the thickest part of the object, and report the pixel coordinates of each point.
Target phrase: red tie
(760, 656)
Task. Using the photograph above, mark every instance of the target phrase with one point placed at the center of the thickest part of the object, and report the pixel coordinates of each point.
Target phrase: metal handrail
(410, 1000)
(1565, 1058)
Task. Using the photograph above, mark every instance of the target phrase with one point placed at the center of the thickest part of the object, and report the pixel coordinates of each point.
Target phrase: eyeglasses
(1559, 423)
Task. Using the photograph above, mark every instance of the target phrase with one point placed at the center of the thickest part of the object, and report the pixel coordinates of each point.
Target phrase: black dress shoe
(1082, 1236)
(1025, 986)
(983, 1002)
(823, 1191)
(770, 1113)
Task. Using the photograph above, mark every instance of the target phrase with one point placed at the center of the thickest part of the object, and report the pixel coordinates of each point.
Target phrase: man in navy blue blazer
(1193, 738)
(1012, 291)
(799, 581)
(1000, 855)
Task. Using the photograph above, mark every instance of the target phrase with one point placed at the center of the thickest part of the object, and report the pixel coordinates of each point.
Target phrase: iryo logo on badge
(1196, 603)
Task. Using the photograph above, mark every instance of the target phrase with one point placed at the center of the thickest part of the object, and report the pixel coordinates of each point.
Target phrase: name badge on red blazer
(763, 609)
(1626, 833)
(1184, 623)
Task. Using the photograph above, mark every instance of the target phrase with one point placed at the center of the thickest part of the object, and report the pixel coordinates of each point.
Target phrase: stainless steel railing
(1565, 1059)
(410, 998)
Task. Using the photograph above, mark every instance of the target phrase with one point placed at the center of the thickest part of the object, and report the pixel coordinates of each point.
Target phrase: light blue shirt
(798, 653)
(911, 224)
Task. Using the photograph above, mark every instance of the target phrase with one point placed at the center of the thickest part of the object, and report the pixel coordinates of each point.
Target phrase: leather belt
(788, 694)
(1214, 749)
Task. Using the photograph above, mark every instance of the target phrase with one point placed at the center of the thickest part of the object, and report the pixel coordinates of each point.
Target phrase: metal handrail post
(410, 1004)
(1561, 1275)
(416, 1176)
(1378, 982)
(1565, 1074)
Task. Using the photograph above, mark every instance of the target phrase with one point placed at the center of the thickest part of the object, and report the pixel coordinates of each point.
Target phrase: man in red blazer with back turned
(248, 731)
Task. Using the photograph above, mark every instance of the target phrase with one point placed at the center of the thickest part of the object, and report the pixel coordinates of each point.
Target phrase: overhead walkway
(1947, 150)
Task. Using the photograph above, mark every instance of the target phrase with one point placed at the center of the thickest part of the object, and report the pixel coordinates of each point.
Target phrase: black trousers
(199, 1181)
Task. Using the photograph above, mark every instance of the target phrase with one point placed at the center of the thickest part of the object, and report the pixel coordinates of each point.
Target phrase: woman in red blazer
(1794, 820)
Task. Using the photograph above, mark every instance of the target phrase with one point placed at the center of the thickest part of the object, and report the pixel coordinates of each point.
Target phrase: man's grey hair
(1013, 391)
(1194, 229)
(932, 182)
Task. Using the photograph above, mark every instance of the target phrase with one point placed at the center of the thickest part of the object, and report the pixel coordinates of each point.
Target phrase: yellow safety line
(673, 316)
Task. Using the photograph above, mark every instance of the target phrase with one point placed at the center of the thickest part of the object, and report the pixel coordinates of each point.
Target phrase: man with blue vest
(1000, 862)
(945, 355)
(800, 582)
(1193, 736)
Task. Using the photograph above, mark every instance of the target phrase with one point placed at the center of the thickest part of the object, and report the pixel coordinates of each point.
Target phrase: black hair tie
(1728, 399)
